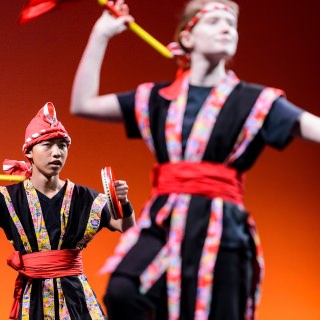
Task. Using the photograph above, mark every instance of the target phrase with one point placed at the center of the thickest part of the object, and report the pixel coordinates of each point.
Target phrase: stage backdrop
(279, 46)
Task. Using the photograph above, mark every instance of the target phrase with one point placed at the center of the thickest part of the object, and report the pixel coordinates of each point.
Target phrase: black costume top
(35, 223)
(246, 110)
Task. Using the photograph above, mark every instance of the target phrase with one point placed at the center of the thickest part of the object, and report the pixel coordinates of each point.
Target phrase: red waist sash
(43, 265)
(212, 180)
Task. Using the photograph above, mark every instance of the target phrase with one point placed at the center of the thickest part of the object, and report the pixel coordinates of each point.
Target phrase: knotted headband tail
(15, 167)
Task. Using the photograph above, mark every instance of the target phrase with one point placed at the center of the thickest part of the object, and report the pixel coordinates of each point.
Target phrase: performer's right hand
(108, 25)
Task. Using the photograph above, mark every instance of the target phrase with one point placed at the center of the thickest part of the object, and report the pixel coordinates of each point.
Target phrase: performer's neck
(206, 73)
(49, 186)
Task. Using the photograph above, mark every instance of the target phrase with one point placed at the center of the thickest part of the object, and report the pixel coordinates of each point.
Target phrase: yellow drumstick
(12, 178)
(144, 35)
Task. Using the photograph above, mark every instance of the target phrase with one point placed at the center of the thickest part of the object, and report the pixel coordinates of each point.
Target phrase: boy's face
(48, 157)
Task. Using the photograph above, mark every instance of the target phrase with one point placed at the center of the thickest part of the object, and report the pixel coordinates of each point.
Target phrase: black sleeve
(105, 218)
(278, 127)
(127, 104)
(87, 197)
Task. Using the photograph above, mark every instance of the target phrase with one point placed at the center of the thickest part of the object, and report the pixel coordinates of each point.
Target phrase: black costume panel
(234, 266)
(84, 214)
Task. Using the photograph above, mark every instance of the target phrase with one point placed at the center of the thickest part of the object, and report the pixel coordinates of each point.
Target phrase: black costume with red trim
(233, 271)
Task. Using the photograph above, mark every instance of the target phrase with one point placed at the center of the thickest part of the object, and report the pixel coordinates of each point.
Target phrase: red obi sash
(43, 265)
(213, 180)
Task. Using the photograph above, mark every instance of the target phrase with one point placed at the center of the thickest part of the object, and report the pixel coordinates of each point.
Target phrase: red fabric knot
(15, 261)
(15, 167)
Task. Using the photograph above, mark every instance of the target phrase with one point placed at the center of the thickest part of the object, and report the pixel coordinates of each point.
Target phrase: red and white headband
(208, 8)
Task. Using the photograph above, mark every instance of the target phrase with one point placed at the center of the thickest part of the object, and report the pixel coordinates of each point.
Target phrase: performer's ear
(28, 154)
(186, 39)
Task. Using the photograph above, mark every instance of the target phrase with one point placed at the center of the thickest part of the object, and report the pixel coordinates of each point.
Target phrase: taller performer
(194, 253)
(50, 221)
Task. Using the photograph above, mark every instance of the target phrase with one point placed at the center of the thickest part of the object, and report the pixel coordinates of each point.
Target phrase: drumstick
(12, 178)
(140, 32)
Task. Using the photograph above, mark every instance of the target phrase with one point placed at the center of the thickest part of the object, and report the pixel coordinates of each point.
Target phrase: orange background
(279, 46)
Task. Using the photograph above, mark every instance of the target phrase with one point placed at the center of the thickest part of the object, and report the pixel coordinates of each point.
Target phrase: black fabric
(126, 101)
(52, 215)
(196, 97)
(123, 300)
(233, 271)
(158, 115)
(232, 284)
(281, 119)
(141, 254)
(230, 121)
(152, 240)
(275, 132)
(81, 202)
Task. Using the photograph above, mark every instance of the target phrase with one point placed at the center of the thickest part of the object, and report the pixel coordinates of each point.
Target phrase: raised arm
(85, 99)
(309, 127)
